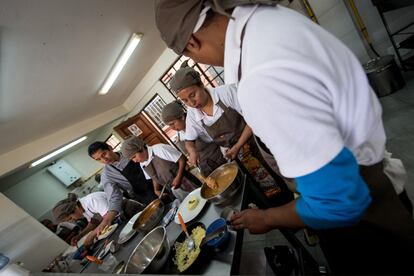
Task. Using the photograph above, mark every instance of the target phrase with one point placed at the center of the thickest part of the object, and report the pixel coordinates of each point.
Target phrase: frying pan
(150, 216)
(199, 263)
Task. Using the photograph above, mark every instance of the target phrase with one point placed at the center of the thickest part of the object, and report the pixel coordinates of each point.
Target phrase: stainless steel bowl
(150, 254)
(149, 217)
(229, 189)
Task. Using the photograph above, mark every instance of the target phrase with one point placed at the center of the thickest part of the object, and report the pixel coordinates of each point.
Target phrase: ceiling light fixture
(120, 63)
(56, 152)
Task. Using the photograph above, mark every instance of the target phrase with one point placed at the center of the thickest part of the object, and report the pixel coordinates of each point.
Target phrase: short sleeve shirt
(163, 151)
(227, 94)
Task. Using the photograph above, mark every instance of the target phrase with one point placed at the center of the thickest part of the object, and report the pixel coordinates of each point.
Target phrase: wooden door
(143, 127)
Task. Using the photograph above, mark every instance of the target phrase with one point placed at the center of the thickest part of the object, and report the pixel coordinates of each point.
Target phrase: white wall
(24, 239)
(396, 19)
(38, 193)
(335, 18)
(150, 84)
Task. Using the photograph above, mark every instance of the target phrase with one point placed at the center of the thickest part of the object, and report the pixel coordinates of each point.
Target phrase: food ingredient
(184, 257)
(211, 183)
(223, 179)
(192, 203)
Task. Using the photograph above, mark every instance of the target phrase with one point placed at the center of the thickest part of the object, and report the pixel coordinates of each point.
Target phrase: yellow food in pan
(183, 257)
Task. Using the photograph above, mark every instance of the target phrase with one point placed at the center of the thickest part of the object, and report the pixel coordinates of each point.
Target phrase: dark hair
(98, 145)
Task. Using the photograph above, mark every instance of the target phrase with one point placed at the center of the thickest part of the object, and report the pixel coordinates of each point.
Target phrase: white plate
(111, 229)
(127, 232)
(186, 213)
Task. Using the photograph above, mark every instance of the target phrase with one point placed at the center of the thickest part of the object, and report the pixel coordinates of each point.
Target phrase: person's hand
(101, 227)
(176, 183)
(89, 239)
(232, 152)
(157, 193)
(74, 240)
(193, 158)
(251, 219)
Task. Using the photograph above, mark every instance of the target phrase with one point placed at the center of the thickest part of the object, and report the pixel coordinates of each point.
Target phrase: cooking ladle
(162, 191)
(190, 244)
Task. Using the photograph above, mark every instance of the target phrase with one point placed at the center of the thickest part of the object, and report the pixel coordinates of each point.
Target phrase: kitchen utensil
(128, 232)
(190, 243)
(217, 235)
(94, 259)
(114, 246)
(150, 254)
(162, 191)
(185, 212)
(150, 216)
(384, 75)
(199, 263)
(228, 178)
(105, 250)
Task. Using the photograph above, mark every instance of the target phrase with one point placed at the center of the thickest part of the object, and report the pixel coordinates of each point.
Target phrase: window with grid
(211, 76)
(154, 110)
(114, 142)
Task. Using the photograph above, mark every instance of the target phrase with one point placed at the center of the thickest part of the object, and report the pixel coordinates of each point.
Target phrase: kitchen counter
(224, 263)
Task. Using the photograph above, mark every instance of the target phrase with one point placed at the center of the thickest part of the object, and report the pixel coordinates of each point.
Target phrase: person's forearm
(88, 228)
(181, 166)
(244, 137)
(157, 187)
(190, 146)
(283, 217)
(109, 217)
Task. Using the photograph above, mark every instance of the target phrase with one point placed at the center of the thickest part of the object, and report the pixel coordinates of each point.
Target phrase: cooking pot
(150, 254)
(384, 75)
(228, 178)
(150, 216)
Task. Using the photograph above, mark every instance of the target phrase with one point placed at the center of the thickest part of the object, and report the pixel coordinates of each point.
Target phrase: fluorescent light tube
(56, 152)
(120, 63)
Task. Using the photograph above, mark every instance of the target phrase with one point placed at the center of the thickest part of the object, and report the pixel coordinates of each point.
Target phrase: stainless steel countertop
(222, 262)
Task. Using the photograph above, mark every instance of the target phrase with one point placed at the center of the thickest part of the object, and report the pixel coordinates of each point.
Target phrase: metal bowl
(229, 172)
(150, 217)
(150, 254)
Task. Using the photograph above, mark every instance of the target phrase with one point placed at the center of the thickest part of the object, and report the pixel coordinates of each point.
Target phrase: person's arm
(157, 187)
(332, 197)
(262, 221)
(244, 137)
(107, 220)
(192, 153)
(176, 183)
(89, 227)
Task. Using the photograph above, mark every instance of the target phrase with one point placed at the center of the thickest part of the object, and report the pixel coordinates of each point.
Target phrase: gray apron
(382, 242)
(210, 155)
(227, 129)
(163, 172)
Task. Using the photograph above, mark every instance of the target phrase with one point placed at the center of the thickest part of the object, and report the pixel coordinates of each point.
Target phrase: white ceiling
(55, 55)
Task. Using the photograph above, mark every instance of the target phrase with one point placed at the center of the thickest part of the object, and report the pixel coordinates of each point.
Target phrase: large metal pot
(150, 254)
(150, 217)
(384, 75)
(228, 178)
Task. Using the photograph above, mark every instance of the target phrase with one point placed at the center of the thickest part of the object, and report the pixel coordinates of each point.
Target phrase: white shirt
(302, 91)
(163, 151)
(94, 204)
(227, 94)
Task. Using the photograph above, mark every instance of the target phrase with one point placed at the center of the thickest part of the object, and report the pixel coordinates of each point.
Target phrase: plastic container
(220, 243)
